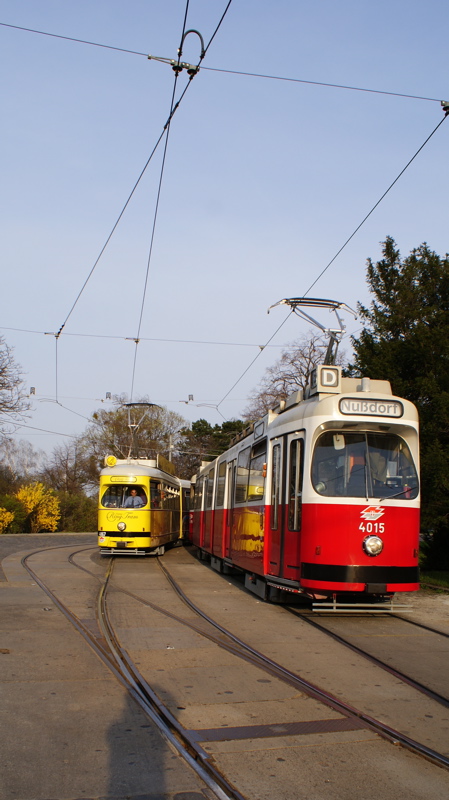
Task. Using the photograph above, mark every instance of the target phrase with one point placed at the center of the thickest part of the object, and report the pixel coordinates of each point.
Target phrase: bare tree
(19, 459)
(13, 400)
(289, 374)
(65, 469)
(108, 433)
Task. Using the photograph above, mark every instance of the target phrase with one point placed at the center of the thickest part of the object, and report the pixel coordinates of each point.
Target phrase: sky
(263, 182)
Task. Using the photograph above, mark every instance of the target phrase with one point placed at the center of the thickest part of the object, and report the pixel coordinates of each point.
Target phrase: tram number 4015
(372, 527)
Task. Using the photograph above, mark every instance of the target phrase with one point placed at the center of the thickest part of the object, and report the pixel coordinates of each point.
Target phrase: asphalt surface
(70, 730)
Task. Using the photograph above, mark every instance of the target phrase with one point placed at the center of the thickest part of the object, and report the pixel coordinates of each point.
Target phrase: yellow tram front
(139, 508)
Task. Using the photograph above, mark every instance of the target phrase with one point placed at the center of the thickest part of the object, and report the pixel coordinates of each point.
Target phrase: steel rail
(158, 712)
(444, 701)
(128, 673)
(424, 627)
(385, 731)
(117, 660)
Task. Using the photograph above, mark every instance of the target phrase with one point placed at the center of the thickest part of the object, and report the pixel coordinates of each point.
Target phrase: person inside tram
(379, 465)
(134, 500)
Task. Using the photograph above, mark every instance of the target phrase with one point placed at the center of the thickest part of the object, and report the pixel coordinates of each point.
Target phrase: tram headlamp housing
(121, 526)
(373, 545)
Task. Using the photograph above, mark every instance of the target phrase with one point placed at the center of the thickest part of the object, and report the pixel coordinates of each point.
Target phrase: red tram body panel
(320, 497)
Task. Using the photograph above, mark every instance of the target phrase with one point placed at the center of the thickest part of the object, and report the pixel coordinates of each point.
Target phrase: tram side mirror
(339, 441)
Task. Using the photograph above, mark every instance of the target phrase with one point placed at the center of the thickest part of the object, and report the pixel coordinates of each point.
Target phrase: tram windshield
(124, 496)
(363, 465)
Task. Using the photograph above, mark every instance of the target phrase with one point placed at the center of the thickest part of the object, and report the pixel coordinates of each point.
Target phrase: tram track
(402, 676)
(293, 679)
(108, 648)
(113, 654)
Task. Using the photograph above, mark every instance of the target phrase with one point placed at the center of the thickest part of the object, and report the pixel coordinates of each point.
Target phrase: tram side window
(210, 488)
(275, 486)
(199, 493)
(168, 497)
(257, 472)
(221, 482)
(241, 484)
(295, 486)
(155, 495)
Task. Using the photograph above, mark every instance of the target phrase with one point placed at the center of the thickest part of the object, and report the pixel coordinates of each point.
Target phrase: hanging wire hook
(178, 66)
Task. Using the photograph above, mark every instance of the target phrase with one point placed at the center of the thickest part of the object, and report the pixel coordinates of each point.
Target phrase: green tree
(204, 442)
(78, 512)
(406, 340)
(19, 514)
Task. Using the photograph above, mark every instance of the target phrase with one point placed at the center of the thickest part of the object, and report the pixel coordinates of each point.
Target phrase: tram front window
(124, 496)
(363, 465)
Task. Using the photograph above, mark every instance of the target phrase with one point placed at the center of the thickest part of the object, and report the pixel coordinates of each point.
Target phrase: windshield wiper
(398, 494)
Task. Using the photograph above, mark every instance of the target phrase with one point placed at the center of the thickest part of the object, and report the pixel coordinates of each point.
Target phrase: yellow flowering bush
(41, 505)
(6, 517)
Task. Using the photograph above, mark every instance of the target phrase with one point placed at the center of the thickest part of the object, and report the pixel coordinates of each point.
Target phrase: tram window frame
(221, 484)
(276, 465)
(250, 465)
(122, 492)
(199, 493)
(257, 470)
(296, 477)
(242, 471)
(209, 482)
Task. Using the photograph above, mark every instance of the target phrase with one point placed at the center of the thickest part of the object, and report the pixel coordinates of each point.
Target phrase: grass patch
(436, 577)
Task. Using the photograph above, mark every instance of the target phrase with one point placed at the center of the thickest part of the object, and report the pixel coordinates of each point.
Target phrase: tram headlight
(121, 526)
(373, 545)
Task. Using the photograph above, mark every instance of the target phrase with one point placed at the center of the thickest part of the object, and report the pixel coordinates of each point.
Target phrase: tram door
(276, 511)
(229, 510)
(291, 534)
(285, 510)
(208, 515)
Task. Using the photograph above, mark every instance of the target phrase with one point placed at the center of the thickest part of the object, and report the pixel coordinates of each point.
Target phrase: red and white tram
(320, 496)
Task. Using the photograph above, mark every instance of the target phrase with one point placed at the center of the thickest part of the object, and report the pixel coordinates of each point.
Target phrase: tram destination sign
(356, 406)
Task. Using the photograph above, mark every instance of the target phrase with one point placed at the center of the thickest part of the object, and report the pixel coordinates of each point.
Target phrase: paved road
(69, 730)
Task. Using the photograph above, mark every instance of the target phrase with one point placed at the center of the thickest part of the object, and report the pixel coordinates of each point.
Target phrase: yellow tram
(142, 508)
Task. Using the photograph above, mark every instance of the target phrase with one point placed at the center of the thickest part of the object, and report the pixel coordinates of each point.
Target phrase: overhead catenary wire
(265, 76)
(342, 248)
(158, 196)
(173, 107)
(143, 338)
(375, 206)
(277, 78)
(33, 428)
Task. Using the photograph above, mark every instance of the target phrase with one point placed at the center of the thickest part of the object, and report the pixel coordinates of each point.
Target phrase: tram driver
(134, 500)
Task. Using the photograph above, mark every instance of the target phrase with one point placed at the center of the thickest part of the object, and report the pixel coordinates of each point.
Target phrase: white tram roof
(144, 467)
(322, 402)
